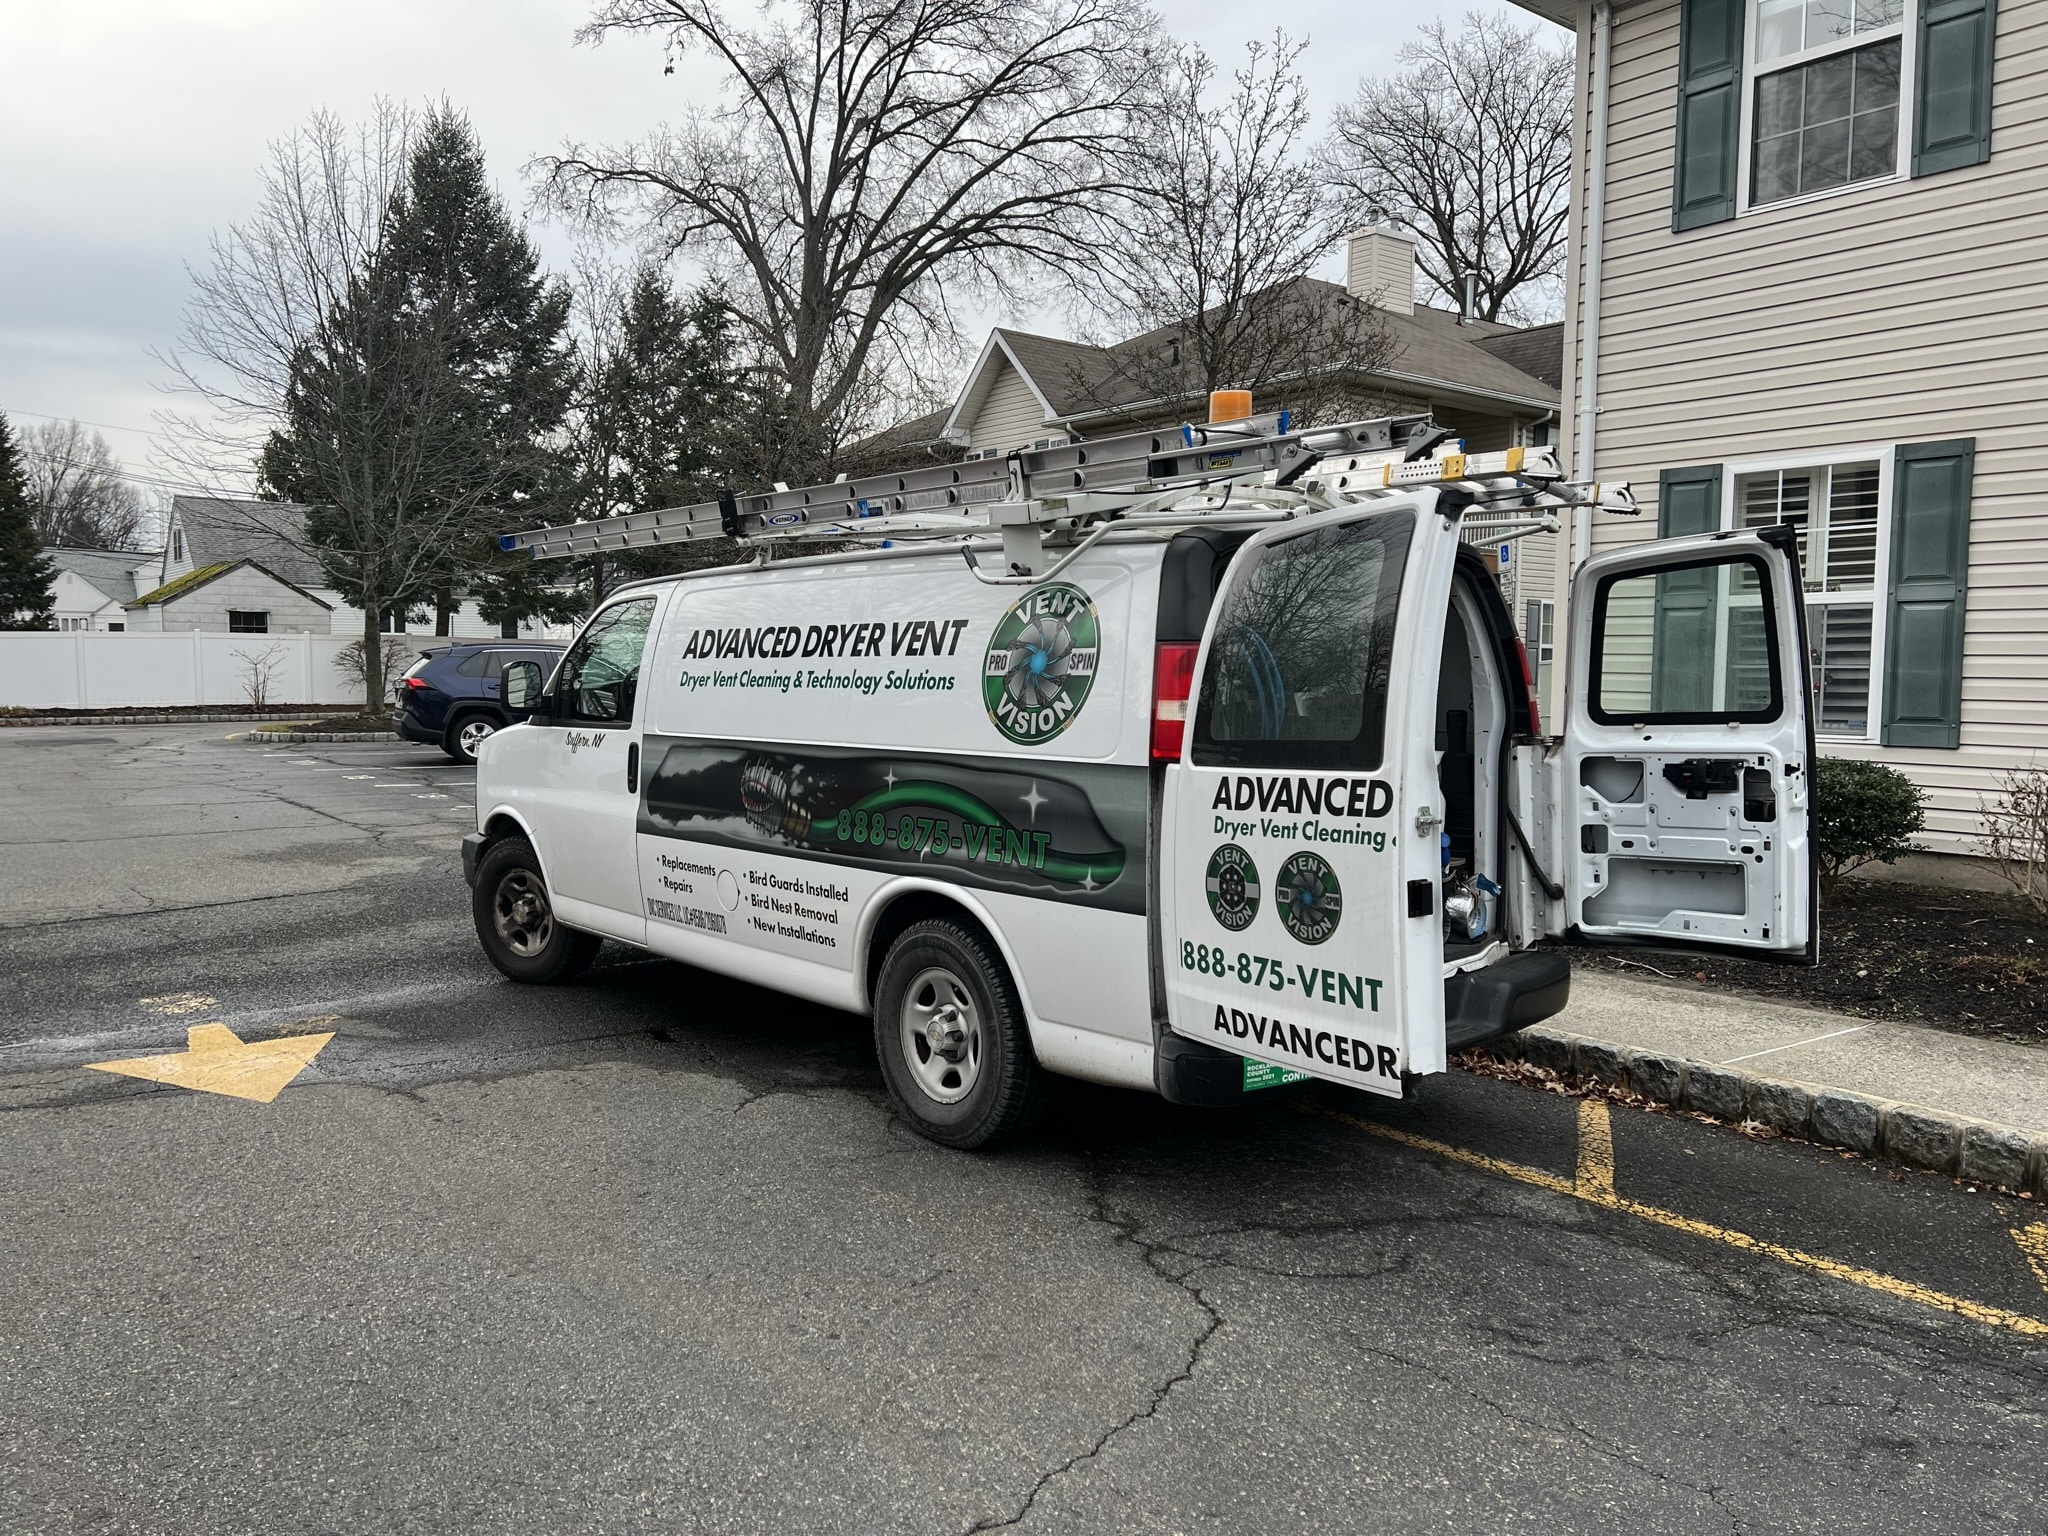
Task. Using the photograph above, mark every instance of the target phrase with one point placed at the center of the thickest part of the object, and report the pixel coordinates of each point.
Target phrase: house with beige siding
(1807, 287)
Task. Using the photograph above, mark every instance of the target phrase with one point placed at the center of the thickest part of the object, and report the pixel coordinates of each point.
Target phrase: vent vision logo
(1041, 663)
(1308, 897)
(1233, 887)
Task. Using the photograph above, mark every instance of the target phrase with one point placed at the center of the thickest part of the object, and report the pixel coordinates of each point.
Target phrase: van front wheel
(516, 922)
(950, 1032)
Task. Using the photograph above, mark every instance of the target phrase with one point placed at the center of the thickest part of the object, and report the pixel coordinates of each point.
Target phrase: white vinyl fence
(80, 669)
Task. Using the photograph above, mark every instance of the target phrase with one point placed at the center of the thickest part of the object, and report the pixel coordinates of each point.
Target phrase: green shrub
(1863, 813)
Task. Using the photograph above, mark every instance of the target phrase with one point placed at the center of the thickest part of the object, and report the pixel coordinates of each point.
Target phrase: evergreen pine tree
(25, 571)
(471, 278)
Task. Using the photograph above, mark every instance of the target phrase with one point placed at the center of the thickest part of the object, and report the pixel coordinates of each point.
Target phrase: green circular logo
(1233, 887)
(1309, 898)
(1041, 663)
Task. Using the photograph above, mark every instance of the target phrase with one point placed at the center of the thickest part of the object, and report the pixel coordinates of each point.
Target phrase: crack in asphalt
(1127, 1232)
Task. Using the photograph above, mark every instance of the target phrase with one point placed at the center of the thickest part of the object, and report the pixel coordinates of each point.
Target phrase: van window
(1689, 644)
(1298, 671)
(601, 674)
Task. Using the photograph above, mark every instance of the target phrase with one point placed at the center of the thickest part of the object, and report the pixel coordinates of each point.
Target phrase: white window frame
(1881, 577)
(1907, 30)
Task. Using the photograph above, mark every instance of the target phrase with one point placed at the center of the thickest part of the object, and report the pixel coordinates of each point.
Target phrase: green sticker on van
(1263, 1074)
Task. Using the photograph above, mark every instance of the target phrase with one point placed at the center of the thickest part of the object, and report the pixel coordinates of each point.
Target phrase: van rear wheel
(950, 1032)
(516, 922)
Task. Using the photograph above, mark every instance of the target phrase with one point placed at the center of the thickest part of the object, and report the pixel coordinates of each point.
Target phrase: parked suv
(453, 697)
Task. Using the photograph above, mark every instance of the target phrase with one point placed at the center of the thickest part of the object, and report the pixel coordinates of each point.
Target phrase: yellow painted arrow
(216, 1060)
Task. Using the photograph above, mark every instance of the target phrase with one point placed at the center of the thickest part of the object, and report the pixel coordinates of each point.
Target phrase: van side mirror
(522, 685)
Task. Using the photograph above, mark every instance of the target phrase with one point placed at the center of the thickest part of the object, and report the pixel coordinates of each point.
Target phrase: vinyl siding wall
(1905, 311)
(1010, 416)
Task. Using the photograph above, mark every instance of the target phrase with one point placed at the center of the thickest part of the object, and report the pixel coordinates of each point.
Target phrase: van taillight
(1173, 679)
(1529, 690)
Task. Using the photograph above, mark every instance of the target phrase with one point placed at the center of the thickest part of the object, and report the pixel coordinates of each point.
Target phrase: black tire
(950, 977)
(468, 731)
(516, 922)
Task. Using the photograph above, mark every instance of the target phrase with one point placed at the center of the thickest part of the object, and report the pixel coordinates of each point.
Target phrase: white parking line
(1835, 1034)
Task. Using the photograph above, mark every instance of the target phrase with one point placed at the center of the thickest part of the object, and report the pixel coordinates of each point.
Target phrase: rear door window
(1297, 675)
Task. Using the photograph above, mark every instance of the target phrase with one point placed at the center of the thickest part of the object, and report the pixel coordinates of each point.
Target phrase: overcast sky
(135, 129)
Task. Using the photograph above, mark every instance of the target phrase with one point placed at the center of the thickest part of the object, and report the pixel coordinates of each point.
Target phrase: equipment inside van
(1201, 762)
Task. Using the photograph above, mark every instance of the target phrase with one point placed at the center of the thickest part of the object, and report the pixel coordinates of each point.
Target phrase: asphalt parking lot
(650, 1253)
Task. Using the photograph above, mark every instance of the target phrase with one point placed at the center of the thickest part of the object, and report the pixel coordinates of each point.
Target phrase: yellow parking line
(1595, 1185)
(2033, 1241)
(1596, 1152)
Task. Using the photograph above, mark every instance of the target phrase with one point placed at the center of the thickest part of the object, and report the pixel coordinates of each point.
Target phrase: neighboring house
(234, 597)
(208, 531)
(93, 587)
(1807, 287)
(1495, 385)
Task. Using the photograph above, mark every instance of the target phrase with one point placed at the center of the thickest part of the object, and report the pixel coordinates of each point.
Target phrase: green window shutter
(1923, 643)
(1952, 91)
(1709, 112)
(1689, 501)
(1687, 602)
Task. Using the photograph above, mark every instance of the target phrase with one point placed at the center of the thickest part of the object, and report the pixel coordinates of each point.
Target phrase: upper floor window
(248, 621)
(1824, 104)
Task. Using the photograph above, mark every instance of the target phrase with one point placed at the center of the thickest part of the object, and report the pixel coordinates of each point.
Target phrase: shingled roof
(222, 530)
(109, 571)
(1431, 351)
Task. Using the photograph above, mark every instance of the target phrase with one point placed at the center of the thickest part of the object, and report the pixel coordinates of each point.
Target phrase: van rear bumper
(1479, 1005)
(1508, 995)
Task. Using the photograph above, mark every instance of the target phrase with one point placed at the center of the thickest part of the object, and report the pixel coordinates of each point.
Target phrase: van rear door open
(1686, 777)
(1299, 916)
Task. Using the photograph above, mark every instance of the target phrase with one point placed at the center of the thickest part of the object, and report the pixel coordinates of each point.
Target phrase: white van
(1220, 807)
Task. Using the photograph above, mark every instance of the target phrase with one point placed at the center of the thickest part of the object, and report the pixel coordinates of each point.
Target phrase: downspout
(1589, 310)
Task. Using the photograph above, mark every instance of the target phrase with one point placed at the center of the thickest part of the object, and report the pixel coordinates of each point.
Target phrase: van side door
(1299, 922)
(587, 774)
(1686, 775)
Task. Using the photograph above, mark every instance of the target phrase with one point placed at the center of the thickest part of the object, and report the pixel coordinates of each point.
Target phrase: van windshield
(1298, 671)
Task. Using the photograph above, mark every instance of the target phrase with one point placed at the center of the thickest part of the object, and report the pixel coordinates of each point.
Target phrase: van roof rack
(1170, 476)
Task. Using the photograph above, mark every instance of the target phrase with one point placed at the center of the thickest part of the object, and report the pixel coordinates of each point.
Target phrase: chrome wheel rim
(520, 910)
(474, 733)
(942, 1035)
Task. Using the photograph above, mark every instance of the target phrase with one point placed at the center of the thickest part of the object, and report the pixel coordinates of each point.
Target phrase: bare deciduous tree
(868, 157)
(1202, 278)
(301, 340)
(76, 488)
(260, 673)
(1468, 146)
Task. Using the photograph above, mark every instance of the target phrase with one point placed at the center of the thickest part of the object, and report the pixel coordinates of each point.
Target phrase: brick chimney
(1382, 269)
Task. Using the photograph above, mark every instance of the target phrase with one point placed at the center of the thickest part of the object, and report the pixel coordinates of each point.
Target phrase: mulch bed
(1973, 962)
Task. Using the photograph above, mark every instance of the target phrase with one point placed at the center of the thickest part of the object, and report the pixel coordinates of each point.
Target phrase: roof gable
(193, 580)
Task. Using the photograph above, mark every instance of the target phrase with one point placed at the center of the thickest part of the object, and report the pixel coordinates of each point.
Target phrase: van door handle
(633, 769)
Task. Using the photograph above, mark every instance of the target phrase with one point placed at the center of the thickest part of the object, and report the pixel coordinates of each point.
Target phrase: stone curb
(291, 736)
(138, 719)
(1910, 1134)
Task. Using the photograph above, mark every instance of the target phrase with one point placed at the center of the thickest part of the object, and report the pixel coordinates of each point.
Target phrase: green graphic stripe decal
(1054, 864)
(1067, 831)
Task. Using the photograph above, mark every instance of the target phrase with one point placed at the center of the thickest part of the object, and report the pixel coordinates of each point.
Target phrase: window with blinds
(1836, 511)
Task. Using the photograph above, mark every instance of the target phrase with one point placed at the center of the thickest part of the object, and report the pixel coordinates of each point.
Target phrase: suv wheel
(955, 1050)
(466, 735)
(516, 922)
